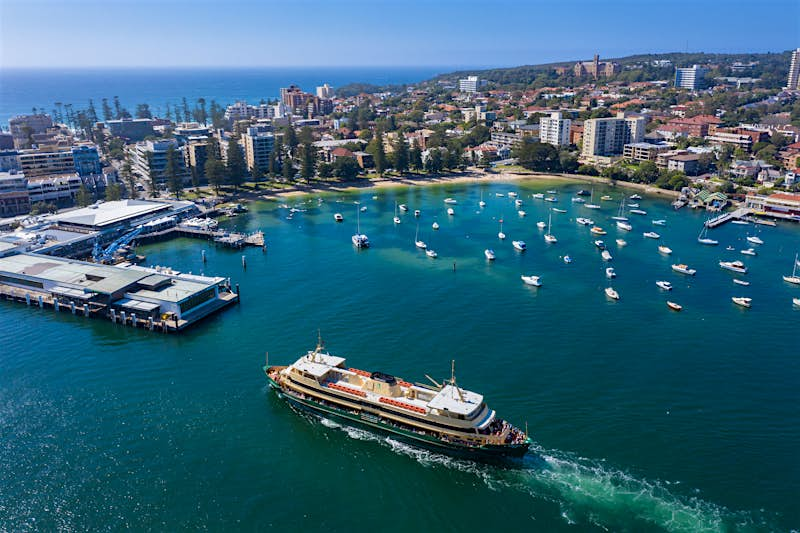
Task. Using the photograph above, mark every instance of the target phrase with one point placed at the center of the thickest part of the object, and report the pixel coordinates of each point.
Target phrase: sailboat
(703, 237)
(396, 218)
(482, 203)
(794, 278)
(500, 234)
(418, 243)
(621, 213)
(591, 204)
(430, 252)
(549, 237)
(359, 239)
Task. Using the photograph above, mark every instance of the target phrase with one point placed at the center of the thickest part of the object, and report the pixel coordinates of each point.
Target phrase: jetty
(738, 214)
(221, 237)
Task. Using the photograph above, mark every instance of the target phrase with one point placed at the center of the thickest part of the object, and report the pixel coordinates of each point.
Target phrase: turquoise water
(643, 418)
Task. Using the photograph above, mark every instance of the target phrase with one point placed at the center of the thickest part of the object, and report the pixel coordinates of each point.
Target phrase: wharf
(738, 214)
(223, 238)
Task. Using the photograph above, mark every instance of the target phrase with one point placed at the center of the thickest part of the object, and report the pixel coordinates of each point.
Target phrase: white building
(554, 129)
(692, 78)
(325, 91)
(258, 147)
(239, 111)
(470, 84)
(608, 136)
(793, 83)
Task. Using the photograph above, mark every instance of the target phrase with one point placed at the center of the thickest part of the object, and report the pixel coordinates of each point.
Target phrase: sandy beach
(465, 177)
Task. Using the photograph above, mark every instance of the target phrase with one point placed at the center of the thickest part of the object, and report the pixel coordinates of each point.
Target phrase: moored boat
(749, 251)
(338, 217)
(794, 278)
(489, 253)
(532, 280)
(444, 417)
(597, 230)
(743, 301)
(403, 207)
(674, 306)
(450, 201)
(611, 273)
(606, 255)
(665, 285)
(622, 242)
(430, 252)
(651, 235)
(611, 293)
(734, 266)
(638, 211)
(450, 211)
(741, 282)
(684, 269)
(754, 239)
(519, 245)
(621, 224)
(665, 250)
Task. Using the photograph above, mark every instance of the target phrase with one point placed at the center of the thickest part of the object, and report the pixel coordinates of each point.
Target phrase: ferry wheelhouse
(444, 417)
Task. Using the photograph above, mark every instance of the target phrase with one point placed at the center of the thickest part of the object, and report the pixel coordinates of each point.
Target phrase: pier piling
(27, 299)
(244, 262)
(41, 302)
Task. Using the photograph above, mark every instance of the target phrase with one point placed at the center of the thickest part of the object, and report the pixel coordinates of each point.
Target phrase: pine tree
(174, 180)
(187, 115)
(113, 192)
(378, 153)
(274, 165)
(130, 179)
(108, 114)
(400, 155)
(290, 138)
(83, 197)
(308, 162)
(117, 108)
(215, 173)
(415, 158)
(236, 167)
(287, 168)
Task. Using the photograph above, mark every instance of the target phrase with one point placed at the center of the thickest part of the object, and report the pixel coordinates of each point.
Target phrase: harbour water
(643, 418)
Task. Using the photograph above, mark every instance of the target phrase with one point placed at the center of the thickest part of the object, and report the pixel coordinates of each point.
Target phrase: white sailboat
(621, 213)
(359, 239)
(482, 203)
(549, 237)
(500, 234)
(794, 278)
(396, 218)
(418, 243)
(591, 204)
(703, 237)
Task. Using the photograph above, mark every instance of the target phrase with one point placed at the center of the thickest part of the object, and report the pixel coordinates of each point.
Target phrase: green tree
(290, 138)
(325, 170)
(236, 167)
(113, 192)
(143, 111)
(215, 173)
(200, 113)
(646, 172)
(308, 161)
(130, 180)
(256, 174)
(378, 152)
(83, 197)
(273, 166)
(152, 175)
(435, 162)
(400, 156)
(287, 167)
(540, 157)
(415, 158)
(174, 179)
(108, 113)
(346, 168)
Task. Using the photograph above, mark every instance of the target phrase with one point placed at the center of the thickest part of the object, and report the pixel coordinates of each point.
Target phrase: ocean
(643, 419)
(23, 89)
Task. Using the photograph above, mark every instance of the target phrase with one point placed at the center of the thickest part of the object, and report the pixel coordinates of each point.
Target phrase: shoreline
(460, 178)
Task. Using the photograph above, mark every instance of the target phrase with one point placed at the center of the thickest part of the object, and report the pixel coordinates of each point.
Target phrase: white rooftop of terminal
(106, 213)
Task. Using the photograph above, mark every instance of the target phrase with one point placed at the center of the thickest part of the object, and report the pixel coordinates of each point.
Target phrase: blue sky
(87, 33)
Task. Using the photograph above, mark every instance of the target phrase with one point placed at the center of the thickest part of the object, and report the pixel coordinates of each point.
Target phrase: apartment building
(554, 129)
(608, 136)
(258, 147)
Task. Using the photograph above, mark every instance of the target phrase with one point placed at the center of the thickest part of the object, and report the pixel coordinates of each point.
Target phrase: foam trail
(586, 490)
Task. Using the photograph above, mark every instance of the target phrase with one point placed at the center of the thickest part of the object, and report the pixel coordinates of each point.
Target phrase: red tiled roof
(341, 152)
(785, 196)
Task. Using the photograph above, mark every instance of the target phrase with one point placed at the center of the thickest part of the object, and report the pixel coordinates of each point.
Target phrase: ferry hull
(487, 453)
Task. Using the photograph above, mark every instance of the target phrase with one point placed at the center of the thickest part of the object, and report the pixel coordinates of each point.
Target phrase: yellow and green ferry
(443, 417)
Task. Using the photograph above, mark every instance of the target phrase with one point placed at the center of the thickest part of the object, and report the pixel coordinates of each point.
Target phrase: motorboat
(635, 197)
(435, 225)
(794, 278)
(500, 194)
(665, 250)
(611, 273)
(734, 266)
(622, 242)
(605, 198)
(517, 202)
(450, 201)
(489, 253)
(578, 200)
(600, 244)
(551, 199)
(538, 196)
(633, 205)
(552, 192)
(749, 251)
(430, 252)
(512, 194)
(567, 259)
(521, 213)
(741, 282)
(597, 230)
(638, 211)
(796, 301)
(651, 235)
(557, 210)
(660, 222)
(674, 306)
(665, 285)
(532, 280)
(624, 225)
(338, 217)
(541, 224)
(683, 269)
(611, 293)
(743, 301)
(583, 221)
(606, 255)
(754, 239)
(403, 207)
(519, 245)
(363, 208)
(450, 211)
(582, 192)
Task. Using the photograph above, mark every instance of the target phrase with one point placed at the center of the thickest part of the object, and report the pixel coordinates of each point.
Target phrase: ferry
(443, 417)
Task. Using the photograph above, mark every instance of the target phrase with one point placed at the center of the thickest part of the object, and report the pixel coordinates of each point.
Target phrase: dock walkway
(726, 217)
(224, 238)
